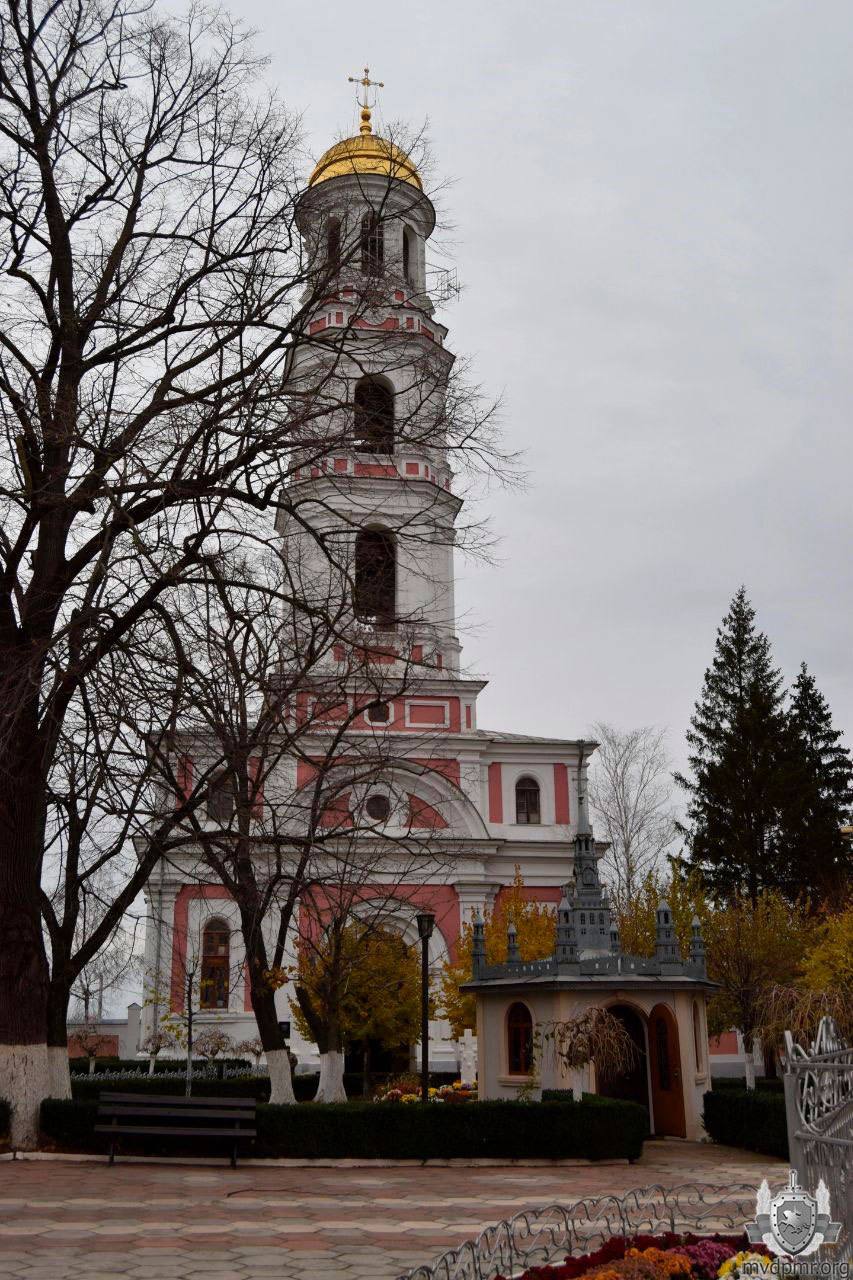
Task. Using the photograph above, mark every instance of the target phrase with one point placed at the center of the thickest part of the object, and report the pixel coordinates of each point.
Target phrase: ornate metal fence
(537, 1236)
(819, 1112)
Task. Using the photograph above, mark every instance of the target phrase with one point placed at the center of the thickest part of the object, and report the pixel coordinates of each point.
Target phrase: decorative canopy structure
(588, 944)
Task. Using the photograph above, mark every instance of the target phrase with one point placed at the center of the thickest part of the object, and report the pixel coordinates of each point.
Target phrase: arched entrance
(665, 1064)
(634, 1085)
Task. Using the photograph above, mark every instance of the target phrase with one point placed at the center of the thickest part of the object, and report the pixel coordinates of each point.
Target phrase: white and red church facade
(491, 801)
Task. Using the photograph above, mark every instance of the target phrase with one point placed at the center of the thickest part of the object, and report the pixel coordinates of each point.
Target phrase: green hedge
(753, 1119)
(248, 1086)
(80, 1066)
(258, 1087)
(606, 1129)
(770, 1084)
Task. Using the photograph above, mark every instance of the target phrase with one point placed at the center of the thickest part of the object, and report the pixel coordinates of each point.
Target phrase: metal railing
(538, 1236)
(819, 1114)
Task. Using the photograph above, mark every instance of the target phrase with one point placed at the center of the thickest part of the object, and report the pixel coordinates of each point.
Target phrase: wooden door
(667, 1083)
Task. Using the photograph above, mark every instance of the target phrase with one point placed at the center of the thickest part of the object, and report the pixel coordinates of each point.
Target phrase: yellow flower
(755, 1262)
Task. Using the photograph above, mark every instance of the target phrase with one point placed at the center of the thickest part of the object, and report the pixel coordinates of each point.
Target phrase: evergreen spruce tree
(811, 842)
(736, 782)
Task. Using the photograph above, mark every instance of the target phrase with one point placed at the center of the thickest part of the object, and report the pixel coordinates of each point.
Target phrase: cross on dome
(366, 83)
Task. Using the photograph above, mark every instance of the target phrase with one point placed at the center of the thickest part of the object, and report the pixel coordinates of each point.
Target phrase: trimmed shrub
(5, 1118)
(769, 1084)
(80, 1066)
(503, 1130)
(258, 1087)
(607, 1129)
(752, 1119)
(71, 1123)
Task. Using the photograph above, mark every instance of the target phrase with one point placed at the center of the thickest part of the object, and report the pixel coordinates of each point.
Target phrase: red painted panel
(561, 793)
(419, 714)
(412, 469)
(375, 470)
(107, 1047)
(441, 899)
(380, 656)
(496, 798)
(184, 778)
(422, 814)
(340, 464)
(725, 1043)
(337, 814)
(447, 768)
(467, 717)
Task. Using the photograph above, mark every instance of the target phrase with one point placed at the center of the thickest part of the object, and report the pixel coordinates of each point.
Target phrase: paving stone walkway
(64, 1220)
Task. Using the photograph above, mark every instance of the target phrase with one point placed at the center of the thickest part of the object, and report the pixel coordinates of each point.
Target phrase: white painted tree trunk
(281, 1082)
(24, 1083)
(151, 1062)
(750, 1070)
(580, 1081)
(331, 1085)
(60, 1073)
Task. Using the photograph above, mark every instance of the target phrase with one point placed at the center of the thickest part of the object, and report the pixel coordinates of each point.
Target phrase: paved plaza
(83, 1220)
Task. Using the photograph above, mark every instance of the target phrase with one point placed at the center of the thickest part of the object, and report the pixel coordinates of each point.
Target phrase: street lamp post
(426, 922)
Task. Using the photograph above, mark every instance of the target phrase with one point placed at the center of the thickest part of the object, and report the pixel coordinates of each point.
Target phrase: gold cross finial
(366, 83)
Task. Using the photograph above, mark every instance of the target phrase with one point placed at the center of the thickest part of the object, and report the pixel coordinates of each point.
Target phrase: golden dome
(365, 154)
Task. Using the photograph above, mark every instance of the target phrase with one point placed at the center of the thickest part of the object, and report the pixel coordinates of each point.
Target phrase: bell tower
(376, 483)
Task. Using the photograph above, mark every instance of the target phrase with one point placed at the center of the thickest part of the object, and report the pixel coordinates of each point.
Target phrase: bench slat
(178, 1099)
(211, 1113)
(165, 1130)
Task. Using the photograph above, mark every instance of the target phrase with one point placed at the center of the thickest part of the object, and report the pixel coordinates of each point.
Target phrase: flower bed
(407, 1088)
(662, 1257)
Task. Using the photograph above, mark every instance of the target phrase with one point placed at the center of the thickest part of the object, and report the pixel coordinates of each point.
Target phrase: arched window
(408, 256)
(220, 798)
(519, 1040)
(375, 597)
(697, 1038)
(372, 245)
(527, 807)
(333, 243)
(662, 1041)
(374, 416)
(215, 956)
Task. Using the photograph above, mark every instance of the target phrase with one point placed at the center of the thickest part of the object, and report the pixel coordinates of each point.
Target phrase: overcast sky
(652, 210)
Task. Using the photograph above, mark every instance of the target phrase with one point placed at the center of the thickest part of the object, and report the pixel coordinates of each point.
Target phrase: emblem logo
(793, 1222)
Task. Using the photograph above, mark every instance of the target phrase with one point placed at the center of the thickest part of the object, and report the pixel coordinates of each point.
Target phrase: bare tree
(279, 773)
(158, 385)
(631, 799)
(594, 1036)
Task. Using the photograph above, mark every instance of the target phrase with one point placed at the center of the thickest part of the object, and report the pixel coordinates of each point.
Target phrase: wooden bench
(129, 1114)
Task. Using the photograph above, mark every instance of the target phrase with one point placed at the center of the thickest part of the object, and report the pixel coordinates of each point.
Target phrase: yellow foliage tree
(366, 983)
(535, 924)
(829, 963)
(684, 895)
(752, 949)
